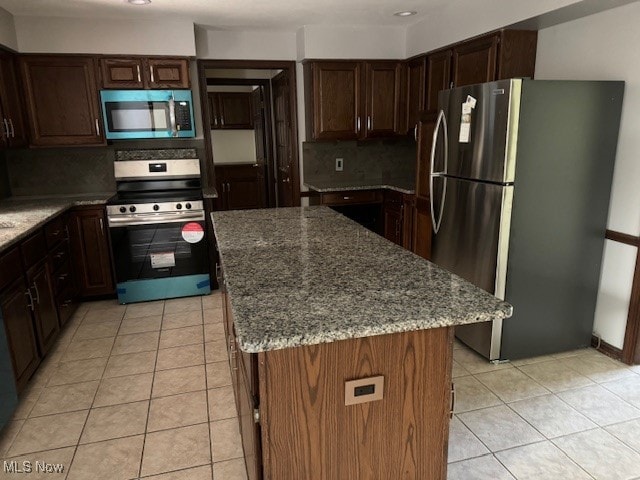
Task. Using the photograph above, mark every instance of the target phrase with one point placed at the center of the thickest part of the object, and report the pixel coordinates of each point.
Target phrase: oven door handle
(154, 218)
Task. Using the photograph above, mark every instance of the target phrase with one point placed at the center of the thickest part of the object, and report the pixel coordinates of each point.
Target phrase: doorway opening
(250, 119)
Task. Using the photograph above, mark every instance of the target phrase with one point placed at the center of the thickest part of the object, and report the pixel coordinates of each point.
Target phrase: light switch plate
(339, 164)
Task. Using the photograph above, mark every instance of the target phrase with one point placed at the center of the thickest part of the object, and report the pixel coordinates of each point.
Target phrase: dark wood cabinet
(92, 254)
(231, 110)
(43, 306)
(14, 304)
(143, 72)
(382, 99)
(347, 100)
(167, 72)
(240, 186)
(62, 100)
(14, 133)
(494, 56)
(122, 72)
(333, 91)
(415, 91)
(398, 218)
(393, 224)
(438, 78)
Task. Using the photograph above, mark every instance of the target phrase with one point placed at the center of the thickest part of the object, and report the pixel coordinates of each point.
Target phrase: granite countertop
(210, 192)
(303, 276)
(26, 214)
(324, 186)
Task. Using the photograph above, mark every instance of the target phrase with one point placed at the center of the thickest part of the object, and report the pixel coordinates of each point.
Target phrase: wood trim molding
(631, 346)
(606, 348)
(622, 238)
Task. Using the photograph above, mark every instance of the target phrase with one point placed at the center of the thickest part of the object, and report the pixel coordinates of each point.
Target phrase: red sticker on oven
(192, 232)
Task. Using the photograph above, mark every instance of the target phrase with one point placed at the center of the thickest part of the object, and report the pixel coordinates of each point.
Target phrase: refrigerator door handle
(432, 174)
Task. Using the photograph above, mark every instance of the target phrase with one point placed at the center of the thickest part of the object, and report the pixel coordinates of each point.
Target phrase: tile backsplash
(377, 160)
(60, 171)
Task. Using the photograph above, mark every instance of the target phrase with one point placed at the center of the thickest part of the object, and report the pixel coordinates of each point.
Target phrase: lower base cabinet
(295, 424)
(21, 337)
(43, 307)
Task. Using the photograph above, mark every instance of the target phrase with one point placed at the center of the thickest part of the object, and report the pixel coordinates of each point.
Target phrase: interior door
(259, 129)
(282, 125)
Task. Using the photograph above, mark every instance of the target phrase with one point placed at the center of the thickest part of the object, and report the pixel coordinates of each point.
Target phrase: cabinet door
(438, 78)
(422, 229)
(168, 73)
(393, 225)
(62, 100)
(235, 110)
(250, 430)
(212, 98)
(242, 186)
(336, 100)
(45, 312)
(382, 99)
(121, 72)
(475, 61)
(426, 126)
(416, 90)
(13, 121)
(92, 255)
(20, 334)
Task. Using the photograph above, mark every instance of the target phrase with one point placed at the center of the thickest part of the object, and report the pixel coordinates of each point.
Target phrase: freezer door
(487, 151)
(473, 243)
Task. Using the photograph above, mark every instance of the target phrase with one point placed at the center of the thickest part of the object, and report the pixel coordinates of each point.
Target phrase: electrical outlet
(339, 164)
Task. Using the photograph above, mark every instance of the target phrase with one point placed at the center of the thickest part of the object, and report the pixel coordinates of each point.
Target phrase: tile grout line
(206, 384)
(86, 420)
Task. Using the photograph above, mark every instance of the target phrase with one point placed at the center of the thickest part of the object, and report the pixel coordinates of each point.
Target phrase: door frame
(290, 67)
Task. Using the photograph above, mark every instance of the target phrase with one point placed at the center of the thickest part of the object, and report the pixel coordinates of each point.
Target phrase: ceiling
(255, 14)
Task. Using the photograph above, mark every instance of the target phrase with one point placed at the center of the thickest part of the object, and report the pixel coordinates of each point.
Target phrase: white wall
(245, 45)
(320, 41)
(233, 146)
(83, 35)
(7, 30)
(603, 46)
(453, 21)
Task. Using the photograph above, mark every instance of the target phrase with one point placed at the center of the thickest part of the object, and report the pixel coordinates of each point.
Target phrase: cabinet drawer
(55, 231)
(62, 279)
(33, 249)
(60, 255)
(351, 197)
(10, 267)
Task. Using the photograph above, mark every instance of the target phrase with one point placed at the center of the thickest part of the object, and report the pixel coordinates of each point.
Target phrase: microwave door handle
(172, 116)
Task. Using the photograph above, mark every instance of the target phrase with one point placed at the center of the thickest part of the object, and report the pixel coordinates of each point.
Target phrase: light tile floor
(128, 392)
(574, 415)
(143, 391)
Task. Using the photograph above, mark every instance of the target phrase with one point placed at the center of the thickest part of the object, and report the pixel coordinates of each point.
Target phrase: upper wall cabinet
(62, 100)
(415, 91)
(231, 110)
(348, 100)
(141, 72)
(498, 55)
(13, 128)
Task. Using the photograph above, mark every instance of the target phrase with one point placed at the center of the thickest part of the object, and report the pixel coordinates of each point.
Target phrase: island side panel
(308, 432)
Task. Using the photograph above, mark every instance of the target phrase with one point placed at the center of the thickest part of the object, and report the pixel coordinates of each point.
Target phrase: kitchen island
(340, 345)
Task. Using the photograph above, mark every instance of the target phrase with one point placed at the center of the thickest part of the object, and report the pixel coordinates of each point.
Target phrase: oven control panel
(146, 208)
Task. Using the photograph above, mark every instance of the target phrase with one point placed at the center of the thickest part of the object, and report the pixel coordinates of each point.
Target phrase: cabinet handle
(35, 287)
(451, 85)
(6, 127)
(97, 127)
(415, 132)
(152, 76)
(368, 122)
(139, 76)
(228, 187)
(13, 130)
(453, 400)
(63, 276)
(30, 301)
(346, 198)
(358, 124)
(221, 120)
(101, 226)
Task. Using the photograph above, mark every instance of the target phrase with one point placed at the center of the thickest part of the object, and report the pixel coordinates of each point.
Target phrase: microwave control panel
(183, 116)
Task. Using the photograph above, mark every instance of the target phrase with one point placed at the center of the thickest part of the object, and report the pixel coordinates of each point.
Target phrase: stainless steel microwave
(131, 114)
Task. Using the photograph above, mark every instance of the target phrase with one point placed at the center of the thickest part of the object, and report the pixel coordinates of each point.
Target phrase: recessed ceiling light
(139, 2)
(406, 13)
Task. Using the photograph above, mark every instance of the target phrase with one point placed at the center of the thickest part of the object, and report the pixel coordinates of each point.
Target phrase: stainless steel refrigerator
(520, 178)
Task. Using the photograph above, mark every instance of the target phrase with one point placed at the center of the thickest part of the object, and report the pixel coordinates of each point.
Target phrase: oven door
(131, 114)
(160, 256)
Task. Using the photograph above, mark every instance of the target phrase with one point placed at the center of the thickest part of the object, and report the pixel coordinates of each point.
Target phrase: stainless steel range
(157, 229)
